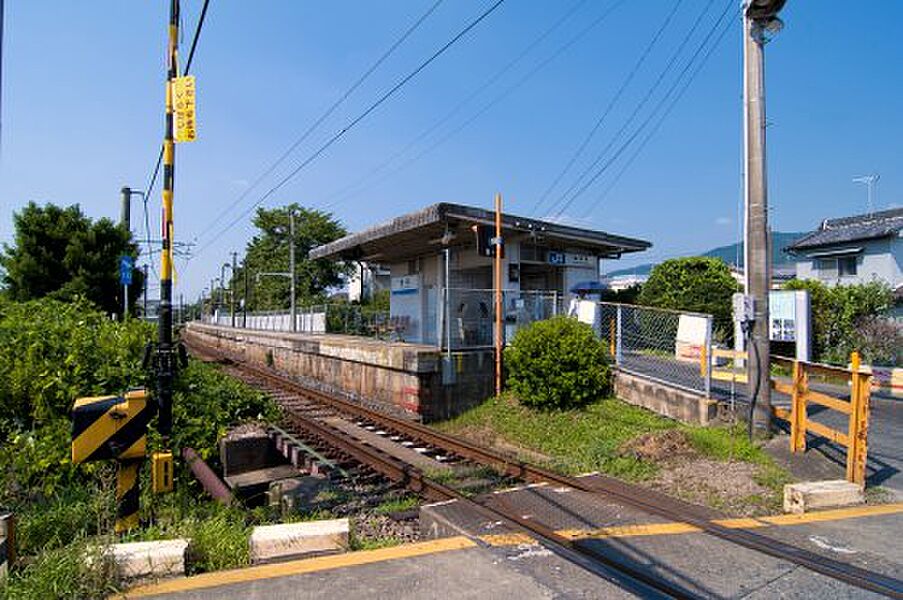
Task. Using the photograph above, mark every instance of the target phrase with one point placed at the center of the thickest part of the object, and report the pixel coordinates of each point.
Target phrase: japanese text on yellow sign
(184, 98)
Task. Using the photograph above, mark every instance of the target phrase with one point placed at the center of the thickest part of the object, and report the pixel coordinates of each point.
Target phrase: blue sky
(83, 94)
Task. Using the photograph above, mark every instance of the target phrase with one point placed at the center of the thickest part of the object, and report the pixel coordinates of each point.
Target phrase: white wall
(879, 260)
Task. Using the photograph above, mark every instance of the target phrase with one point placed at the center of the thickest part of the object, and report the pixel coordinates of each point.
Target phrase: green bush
(696, 283)
(840, 320)
(557, 363)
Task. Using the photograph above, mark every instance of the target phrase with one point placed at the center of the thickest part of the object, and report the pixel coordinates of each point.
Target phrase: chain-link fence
(350, 319)
(655, 343)
(471, 315)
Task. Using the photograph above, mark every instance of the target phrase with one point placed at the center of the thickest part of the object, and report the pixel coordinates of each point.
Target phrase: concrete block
(293, 540)
(163, 558)
(811, 495)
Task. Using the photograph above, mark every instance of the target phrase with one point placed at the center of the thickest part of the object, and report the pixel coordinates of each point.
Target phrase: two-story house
(855, 249)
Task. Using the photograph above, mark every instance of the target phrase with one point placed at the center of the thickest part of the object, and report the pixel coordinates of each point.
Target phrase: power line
(357, 186)
(341, 133)
(648, 119)
(601, 119)
(506, 92)
(329, 111)
(630, 119)
(156, 172)
(660, 121)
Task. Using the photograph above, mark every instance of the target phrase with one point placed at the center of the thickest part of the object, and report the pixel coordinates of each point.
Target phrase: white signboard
(788, 315)
(691, 337)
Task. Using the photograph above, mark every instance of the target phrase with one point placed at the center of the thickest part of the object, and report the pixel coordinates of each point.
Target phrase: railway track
(308, 410)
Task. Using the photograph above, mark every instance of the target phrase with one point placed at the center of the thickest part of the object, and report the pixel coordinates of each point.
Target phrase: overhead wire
(372, 107)
(326, 114)
(660, 121)
(508, 91)
(608, 108)
(153, 179)
(577, 188)
(357, 186)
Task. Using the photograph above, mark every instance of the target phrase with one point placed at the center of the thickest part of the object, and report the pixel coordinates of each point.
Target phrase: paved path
(461, 567)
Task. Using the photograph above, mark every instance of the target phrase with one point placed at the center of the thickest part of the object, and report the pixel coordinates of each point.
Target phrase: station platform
(517, 567)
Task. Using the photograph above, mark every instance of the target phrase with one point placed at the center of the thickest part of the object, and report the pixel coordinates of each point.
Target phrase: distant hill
(780, 240)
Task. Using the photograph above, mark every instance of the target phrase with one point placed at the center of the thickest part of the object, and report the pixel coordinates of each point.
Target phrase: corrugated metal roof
(876, 225)
(421, 231)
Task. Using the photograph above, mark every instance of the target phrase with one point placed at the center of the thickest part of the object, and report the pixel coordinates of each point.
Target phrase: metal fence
(351, 319)
(471, 315)
(660, 344)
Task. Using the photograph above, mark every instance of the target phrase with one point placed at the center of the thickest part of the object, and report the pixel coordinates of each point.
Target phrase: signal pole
(758, 16)
(165, 354)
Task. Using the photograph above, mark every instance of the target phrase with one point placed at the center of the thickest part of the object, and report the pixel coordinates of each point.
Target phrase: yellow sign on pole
(184, 101)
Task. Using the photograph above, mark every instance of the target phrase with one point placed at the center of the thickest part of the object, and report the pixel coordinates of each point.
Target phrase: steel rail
(637, 497)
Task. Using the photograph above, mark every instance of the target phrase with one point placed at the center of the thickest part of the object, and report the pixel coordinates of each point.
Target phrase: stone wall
(406, 378)
(665, 400)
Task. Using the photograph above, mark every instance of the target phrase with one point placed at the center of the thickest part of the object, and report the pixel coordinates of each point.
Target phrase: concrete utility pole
(244, 303)
(291, 266)
(758, 16)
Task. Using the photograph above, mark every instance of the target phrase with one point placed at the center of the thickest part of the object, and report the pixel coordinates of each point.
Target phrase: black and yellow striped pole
(165, 355)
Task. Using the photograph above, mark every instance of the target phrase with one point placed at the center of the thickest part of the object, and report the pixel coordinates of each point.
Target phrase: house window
(846, 266)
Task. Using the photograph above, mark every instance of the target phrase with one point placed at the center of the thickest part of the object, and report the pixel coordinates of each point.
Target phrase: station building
(437, 359)
(441, 285)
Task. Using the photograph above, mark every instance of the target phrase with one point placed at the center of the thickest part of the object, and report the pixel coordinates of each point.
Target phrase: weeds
(78, 571)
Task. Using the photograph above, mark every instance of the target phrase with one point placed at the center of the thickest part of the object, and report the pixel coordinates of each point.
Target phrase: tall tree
(59, 252)
(268, 252)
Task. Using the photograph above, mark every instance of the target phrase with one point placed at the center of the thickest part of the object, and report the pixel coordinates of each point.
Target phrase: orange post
(857, 452)
(703, 359)
(798, 414)
(499, 333)
(612, 333)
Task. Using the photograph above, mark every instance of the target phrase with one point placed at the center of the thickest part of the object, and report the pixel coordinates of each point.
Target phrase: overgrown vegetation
(846, 318)
(596, 437)
(53, 352)
(557, 363)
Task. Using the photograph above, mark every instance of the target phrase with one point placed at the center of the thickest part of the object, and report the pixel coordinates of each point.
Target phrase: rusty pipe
(207, 478)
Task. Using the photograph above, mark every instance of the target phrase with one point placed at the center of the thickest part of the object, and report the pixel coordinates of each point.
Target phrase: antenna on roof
(870, 181)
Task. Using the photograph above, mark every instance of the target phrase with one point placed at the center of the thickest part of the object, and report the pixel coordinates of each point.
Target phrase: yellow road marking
(363, 557)
(298, 567)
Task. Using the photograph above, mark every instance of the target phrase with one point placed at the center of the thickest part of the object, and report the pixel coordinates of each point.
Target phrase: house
(856, 249)
(441, 273)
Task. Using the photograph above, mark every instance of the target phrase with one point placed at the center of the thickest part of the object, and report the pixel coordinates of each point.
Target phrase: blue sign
(126, 266)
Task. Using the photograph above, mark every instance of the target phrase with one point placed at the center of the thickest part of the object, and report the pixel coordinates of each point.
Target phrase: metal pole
(125, 214)
(498, 294)
(165, 363)
(232, 297)
(125, 301)
(145, 291)
(448, 345)
(244, 311)
(618, 350)
(291, 265)
(758, 276)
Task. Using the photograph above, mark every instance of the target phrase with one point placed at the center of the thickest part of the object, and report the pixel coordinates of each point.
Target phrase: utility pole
(125, 212)
(145, 290)
(291, 266)
(758, 16)
(232, 298)
(499, 332)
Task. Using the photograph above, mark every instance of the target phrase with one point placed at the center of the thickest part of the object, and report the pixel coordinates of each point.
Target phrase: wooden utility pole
(499, 332)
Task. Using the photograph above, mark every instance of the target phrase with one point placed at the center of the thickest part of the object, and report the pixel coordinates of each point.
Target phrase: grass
(396, 505)
(77, 571)
(591, 438)
(575, 441)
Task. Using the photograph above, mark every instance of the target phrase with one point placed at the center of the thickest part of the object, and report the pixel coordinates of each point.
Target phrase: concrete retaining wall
(665, 400)
(404, 377)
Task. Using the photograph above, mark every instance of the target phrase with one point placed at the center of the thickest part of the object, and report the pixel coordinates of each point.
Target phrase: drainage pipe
(207, 478)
